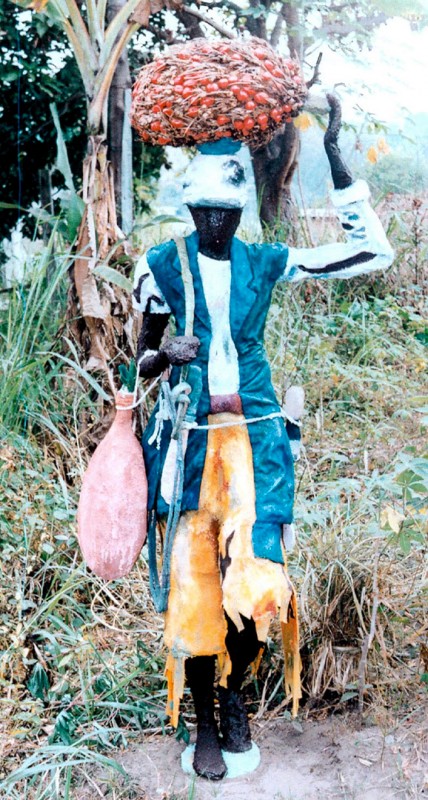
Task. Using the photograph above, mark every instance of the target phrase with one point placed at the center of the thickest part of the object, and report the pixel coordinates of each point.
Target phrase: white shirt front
(223, 368)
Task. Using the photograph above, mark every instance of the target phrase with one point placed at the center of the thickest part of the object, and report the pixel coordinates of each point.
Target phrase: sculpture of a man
(228, 572)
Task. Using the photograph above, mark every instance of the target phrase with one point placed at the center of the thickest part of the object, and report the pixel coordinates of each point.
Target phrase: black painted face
(216, 227)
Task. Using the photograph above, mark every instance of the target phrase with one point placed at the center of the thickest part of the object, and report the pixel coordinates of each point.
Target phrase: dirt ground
(311, 760)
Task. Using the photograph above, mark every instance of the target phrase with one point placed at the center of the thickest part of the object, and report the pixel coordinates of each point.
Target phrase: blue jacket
(255, 270)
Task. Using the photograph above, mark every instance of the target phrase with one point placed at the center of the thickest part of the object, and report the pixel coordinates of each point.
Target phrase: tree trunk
(119, 132)
(274, 167)
(275, 164)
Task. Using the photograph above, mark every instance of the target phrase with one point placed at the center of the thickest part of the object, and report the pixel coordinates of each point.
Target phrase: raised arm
(366, 248)
(153, 356)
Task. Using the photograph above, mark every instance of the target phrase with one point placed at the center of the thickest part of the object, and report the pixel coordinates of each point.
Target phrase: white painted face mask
(215, 180)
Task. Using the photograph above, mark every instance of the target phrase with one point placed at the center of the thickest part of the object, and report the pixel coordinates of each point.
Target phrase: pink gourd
(112, 512)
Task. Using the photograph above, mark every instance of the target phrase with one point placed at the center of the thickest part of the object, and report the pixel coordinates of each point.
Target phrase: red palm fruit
(262, 98)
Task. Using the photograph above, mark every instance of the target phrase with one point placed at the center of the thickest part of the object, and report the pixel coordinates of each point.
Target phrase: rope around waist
(239, 421)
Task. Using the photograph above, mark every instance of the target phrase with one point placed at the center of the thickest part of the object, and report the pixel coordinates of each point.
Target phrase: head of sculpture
(215, 191)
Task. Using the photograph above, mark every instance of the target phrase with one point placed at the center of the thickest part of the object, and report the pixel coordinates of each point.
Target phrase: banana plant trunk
(99, 312)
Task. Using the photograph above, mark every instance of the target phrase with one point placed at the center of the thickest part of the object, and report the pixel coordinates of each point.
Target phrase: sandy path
(305, 761)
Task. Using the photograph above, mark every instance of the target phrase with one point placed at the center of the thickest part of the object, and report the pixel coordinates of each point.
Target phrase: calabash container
(112, 511)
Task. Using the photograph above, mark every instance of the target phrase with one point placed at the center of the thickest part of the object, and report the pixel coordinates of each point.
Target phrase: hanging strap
(160, 585)
(189, 290)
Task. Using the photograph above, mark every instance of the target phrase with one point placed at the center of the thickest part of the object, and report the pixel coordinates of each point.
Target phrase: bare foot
(234, 727)
(208, 760)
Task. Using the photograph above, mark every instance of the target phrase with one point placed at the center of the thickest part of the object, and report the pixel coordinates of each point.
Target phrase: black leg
(243, 647)
(208, 760)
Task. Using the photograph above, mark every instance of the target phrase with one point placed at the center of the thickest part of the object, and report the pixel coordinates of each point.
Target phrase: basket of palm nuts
(204, 90)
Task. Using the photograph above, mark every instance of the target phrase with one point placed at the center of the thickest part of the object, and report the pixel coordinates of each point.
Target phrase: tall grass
(81, 662)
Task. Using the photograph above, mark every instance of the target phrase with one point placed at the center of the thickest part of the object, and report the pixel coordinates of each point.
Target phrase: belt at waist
(220, 403)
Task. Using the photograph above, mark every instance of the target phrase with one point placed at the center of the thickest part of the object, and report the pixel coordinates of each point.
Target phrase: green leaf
(62, 162)
(65, 727)
(73, 208)
(422, 336)
(348, 696)
(38, 682)
(11, 75)
(404, 542)
(128, 375)
(113, 276)
(12, 206)
(182, 732)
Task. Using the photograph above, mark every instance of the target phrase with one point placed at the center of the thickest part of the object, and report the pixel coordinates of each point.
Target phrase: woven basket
(206, 90)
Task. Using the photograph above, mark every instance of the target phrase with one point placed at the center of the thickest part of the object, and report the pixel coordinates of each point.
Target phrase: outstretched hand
(339, 171)
(334, 120)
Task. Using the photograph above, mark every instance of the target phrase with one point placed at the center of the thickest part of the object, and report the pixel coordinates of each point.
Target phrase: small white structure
(21, 253)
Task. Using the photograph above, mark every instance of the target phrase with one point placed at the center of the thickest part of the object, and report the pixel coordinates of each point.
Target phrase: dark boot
(234, 727)
(208, 760)
(243, 647)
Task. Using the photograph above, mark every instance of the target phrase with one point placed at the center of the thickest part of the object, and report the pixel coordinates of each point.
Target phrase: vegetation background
(81, 661)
